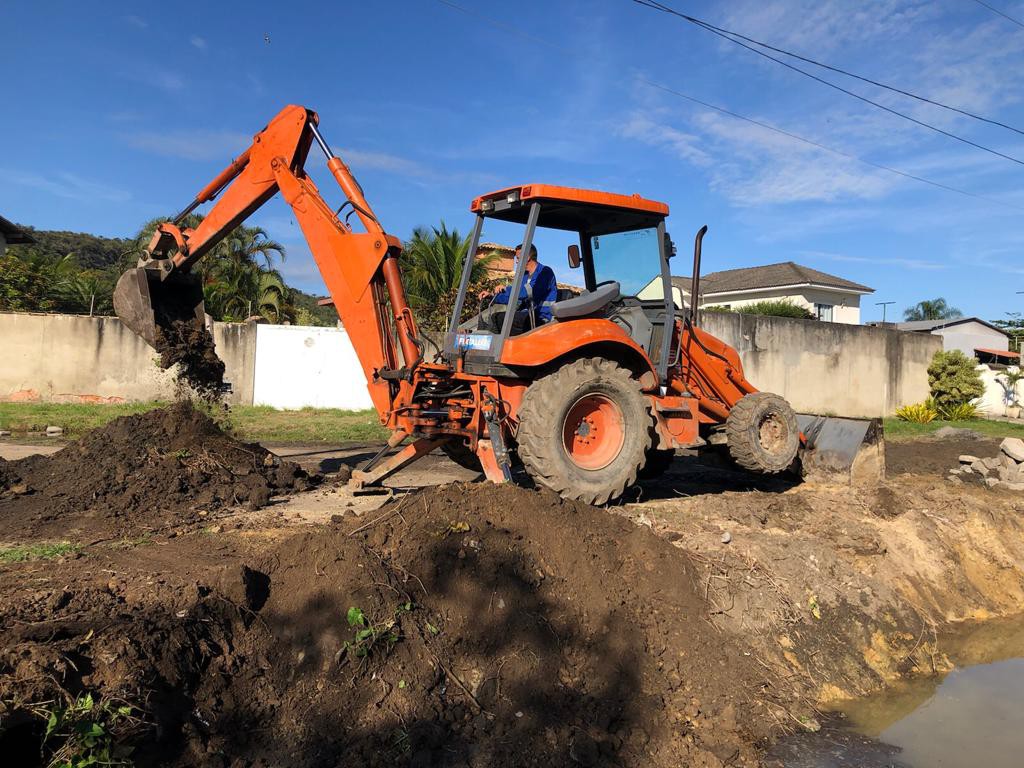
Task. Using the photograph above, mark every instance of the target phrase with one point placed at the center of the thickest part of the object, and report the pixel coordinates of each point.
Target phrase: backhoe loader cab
(619, 241)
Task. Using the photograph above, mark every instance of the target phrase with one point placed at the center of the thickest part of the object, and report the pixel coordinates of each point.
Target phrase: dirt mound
(933, 457)
(140, 473)
(462, 626)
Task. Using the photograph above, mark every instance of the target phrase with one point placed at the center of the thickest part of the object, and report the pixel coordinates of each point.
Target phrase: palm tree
(932, 309)
(432, 270)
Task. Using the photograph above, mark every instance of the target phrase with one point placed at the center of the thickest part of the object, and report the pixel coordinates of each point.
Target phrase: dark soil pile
(140, 473)
(185, 343)
(461, 626)
(933, 457)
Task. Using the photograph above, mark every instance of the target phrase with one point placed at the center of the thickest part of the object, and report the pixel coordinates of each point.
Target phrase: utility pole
(884, 304)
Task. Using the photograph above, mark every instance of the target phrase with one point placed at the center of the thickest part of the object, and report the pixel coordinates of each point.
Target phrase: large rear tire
(584, 430)
(762, 433)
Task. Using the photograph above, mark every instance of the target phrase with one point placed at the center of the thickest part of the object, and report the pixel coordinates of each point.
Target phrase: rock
(54, 431)
(1014, 448)
(952, 433)
(992, 462)
(980, 468)
(956, 472)
(966, 458)
(1009, 475)
(726, 537)
(1012, 486)
(955, 480)
(991, 482)
(5, 433)
(966, 470)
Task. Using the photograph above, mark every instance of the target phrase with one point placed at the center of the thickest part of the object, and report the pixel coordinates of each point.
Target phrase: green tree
(432, 270)
(23, 288)
(932, 309)
(953, 379)
(1013, 325)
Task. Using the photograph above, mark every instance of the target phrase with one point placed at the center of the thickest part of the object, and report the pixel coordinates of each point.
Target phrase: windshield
(631, 258)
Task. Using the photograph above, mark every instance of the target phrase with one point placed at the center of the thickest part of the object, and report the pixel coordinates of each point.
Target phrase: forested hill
(91, 251)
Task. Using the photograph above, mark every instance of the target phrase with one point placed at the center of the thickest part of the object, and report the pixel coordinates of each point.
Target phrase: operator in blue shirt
(537, 294)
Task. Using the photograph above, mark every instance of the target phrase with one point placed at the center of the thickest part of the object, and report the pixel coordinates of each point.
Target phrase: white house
(972, 336)
(831, 299)
(11, 235)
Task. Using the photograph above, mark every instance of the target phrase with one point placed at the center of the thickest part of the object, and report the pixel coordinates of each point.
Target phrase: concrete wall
(829, 368)
(74, 358)
(299, 366)
(997, 397)
(820, 367)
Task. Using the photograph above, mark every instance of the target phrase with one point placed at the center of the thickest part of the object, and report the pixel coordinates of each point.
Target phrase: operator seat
(587, 303)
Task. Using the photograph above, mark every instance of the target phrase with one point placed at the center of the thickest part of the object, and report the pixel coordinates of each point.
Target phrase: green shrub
(953, 379)
(921, 413)
(776, 308)
(961, 412)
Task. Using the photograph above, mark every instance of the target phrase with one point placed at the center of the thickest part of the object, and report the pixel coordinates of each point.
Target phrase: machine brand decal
(480, 341)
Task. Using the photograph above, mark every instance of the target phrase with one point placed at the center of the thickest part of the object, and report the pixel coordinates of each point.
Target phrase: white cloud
(684, 145)
(67, 185)
(191, 145)
(908, 263)
(198, 42)
(383, 161)
(136, 21)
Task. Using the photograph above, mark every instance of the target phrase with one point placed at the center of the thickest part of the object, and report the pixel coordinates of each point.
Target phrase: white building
(829, 298)
(11, 235)
(972, 336)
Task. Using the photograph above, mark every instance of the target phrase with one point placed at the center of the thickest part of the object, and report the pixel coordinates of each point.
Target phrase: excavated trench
(466, 624)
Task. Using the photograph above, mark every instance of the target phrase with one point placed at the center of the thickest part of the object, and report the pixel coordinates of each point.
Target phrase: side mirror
(574, 256)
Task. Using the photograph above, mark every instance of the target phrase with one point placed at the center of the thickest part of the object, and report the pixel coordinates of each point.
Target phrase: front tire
(585, 430)
(762, 433)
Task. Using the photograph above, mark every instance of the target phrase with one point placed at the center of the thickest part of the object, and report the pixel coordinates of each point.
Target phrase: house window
(824, 312)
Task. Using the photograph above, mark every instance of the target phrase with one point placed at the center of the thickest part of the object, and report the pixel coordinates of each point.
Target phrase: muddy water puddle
(971, 717)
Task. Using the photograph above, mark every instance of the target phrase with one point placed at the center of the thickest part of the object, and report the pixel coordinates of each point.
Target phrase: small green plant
(953, 379)
(373, 637)
(1010, 380)
(961, 412)
(88, 733)
(182, 453)
(920, 413)
(40, 551)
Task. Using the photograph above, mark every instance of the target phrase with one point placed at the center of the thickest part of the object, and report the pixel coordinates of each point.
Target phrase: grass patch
(906, 430)
(41, 551)
(258, 423)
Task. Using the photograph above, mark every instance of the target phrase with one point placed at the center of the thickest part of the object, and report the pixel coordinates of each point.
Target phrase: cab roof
(577, 210)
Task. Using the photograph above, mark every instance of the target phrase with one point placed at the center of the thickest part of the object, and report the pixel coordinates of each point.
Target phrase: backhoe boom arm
(360, 269)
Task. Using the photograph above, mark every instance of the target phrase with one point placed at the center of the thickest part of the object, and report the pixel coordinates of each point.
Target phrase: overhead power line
(1000, 13)
(510, 29)
(831, 68)
(733, 38)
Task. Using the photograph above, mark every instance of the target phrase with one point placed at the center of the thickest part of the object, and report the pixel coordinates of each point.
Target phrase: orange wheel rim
(593, 433)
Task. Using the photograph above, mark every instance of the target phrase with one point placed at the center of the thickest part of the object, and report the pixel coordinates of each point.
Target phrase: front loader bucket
(145, 302)
(844, 450)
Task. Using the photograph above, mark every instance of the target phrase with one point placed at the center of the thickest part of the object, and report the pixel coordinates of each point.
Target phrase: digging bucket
(843, 450)
(149, 297)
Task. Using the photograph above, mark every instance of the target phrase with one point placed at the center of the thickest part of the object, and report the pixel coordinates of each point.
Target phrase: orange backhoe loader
(610, 387)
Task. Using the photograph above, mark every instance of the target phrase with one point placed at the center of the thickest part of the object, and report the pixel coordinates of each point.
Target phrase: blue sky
(112, 118)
